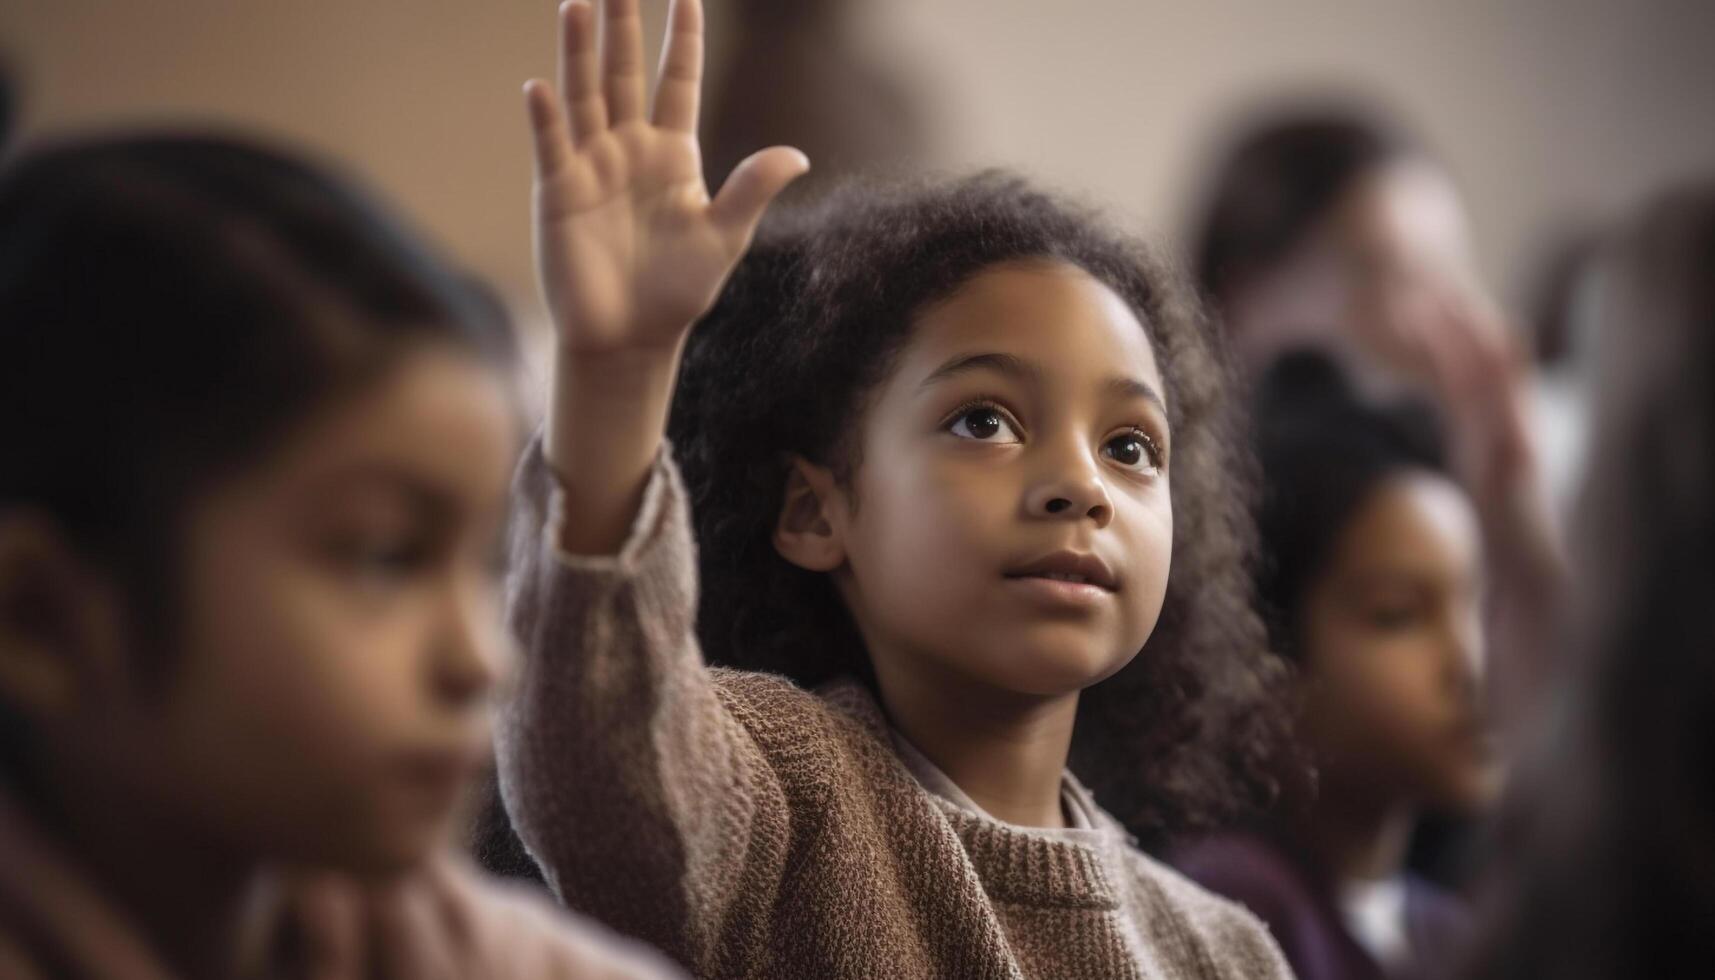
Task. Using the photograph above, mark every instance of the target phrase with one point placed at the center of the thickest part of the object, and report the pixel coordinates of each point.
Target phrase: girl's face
(1393, 646)
(327, 699)
(1010, 522)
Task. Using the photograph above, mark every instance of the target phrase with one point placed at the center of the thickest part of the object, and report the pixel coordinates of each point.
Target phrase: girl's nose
(470, 652)
(1464, 653)
(1071, 492)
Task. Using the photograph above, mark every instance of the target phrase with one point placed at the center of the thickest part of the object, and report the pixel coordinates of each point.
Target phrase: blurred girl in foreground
(254, 449)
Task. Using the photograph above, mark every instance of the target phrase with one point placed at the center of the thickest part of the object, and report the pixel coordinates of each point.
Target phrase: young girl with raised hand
(254, 447)
(941, 445)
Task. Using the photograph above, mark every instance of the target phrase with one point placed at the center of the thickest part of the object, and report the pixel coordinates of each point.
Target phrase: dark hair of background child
(1323, 452)
(1276, 182)
(812, 321)
(170, 305)
(1610, 865)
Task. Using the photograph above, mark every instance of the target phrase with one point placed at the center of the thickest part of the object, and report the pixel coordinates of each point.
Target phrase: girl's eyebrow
(1007, 364)
(1023, 370)
(1137, 388)
(422, 494)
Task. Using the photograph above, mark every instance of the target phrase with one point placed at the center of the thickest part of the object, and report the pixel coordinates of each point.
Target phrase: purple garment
(1300, 909)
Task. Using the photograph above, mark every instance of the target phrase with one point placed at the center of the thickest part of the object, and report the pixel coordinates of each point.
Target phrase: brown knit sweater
(751, 828)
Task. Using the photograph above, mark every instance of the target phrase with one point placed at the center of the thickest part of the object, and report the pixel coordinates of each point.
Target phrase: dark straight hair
(170, 305)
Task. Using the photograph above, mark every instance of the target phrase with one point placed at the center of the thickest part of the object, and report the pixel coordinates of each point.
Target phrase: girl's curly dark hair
(812, 321)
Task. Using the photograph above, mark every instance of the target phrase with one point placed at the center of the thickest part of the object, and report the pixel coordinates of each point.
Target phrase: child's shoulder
(771, 705)
(832, 733)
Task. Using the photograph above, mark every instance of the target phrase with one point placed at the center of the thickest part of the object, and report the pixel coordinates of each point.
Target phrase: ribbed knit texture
(754, 829)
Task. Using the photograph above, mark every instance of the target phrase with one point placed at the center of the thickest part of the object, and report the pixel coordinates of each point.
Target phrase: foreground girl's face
(328, 701)
(1012, 521)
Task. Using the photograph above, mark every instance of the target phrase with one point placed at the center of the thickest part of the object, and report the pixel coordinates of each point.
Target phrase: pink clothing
(442, 923)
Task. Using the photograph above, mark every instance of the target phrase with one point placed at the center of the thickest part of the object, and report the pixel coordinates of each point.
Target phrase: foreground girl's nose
(1072, 496)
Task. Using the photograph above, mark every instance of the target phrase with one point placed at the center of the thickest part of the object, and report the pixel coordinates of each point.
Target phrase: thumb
(753, 185)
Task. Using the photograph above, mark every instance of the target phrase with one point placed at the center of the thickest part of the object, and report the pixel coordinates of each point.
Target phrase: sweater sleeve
(645, 801)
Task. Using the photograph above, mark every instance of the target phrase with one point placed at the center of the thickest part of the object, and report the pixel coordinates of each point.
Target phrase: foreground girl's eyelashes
(982, 421)
(1136, 449)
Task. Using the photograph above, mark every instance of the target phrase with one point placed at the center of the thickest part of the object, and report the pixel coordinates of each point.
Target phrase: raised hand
(630, 250)
(630, 247)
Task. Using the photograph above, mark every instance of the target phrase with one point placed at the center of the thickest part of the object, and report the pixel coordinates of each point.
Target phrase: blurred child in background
(1610, 841)
(1329, 230)
(1371, 577)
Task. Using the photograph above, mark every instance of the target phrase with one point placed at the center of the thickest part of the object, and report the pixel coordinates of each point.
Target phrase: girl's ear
(809, 532)
(46, 607)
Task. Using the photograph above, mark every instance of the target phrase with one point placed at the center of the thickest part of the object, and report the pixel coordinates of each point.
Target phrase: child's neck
(1007, 752)
(1358, 836)
(196, 905)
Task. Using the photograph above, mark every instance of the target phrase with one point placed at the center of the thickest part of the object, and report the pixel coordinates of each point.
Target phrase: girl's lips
(1057, 592)
(1070, 567)
(440, 773)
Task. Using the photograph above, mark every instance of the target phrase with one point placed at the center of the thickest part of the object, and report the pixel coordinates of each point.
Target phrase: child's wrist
(607, 412)
(617, 368)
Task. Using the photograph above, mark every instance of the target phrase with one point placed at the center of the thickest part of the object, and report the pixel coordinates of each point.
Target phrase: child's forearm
(606, 417)
(645, 801)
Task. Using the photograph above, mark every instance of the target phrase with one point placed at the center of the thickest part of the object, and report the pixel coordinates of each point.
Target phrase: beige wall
(1546, 110)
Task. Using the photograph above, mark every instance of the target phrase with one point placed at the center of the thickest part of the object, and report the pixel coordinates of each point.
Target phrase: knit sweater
(751, 828)
(442, 922)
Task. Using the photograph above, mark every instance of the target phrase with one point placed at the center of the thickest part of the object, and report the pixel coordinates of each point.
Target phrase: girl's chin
(1051, 671)
(397, 848)
(400, 858)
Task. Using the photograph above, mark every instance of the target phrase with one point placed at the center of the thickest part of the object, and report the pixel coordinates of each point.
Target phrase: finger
(580, 70)
(1469, 354)
(754, 184)
(547, 130)
(680, 87)
(404, 936)
(622, 50)
(326, 917)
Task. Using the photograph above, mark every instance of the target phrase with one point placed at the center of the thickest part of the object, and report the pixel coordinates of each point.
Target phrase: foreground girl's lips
(1058, 591)
(1069, 568)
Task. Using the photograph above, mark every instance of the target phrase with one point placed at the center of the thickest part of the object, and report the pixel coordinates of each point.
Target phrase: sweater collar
(1027, 866)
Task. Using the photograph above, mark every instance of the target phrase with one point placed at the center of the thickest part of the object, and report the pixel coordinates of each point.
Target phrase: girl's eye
(1391, 617)
(381, 561)
(1134, 450)
(1390, 620)
(983, 423)
(394, 562)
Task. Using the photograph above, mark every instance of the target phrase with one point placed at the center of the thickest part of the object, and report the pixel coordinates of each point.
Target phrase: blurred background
(1444, 254)
(1549, 113)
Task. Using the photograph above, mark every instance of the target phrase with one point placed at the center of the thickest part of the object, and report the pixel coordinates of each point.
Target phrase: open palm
(631, 249)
